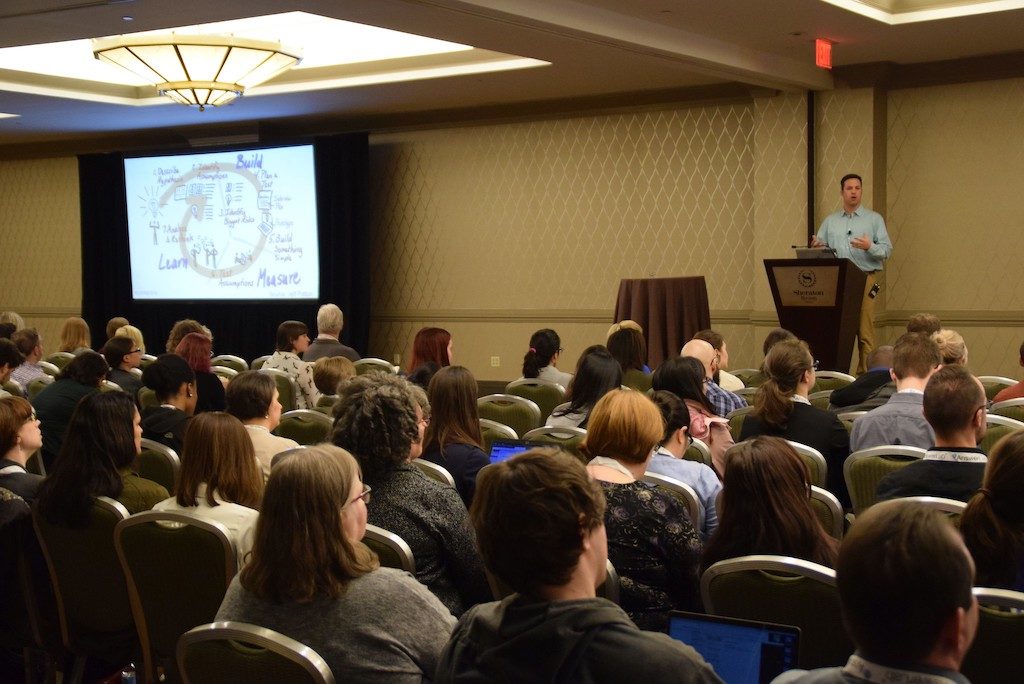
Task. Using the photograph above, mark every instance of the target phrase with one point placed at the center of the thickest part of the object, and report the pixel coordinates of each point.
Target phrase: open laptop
(504, 449)
(815, 253)
(741, 651)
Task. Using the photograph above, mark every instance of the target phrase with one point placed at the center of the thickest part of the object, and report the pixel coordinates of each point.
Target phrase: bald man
(723, 401)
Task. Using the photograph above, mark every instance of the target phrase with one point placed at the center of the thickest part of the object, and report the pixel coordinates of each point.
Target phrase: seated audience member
(954, 405)
(541, 359)
(765, 507)
(10, 358)
(74, 335)
(134, 334)
(774, 336)
(1013, 392)
(329, 322)
(668, 459)
(684, 377)
(13, 318)
(431, 350)
(103, 439)
(197, 350)
(540, 521)
(993, 524)
(722, 401)
(951, 346)
(904, 580)
(292, 340)
(453, 438)
(924, 323)
(331, 371)
(7, 330)
(867, 383)
(30, 345)
(901, 420)
(20, 437)
(174, 384)
(781, 409)
(113, 324)
(252, 398)
(122, 356)
(182, 328)
(55, 404)
(310, 577)
(722, 377)
(378, 419)
(219, 479)
(627, 344)
(597, 373)
(651, 541)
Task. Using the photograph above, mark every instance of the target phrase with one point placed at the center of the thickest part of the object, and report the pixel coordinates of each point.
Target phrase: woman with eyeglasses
(782, 409)
(765, 507)
(20, 437)
(318, 584)
(541, 359)
(122, 356)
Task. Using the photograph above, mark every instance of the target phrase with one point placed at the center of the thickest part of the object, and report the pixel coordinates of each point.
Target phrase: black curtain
(245, 328)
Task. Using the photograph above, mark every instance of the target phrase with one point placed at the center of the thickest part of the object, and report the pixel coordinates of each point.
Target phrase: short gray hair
(329, 319)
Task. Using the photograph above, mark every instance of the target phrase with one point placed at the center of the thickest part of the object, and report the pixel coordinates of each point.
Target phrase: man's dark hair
(87, 368)
(951, 398)
(902, 572)
(774, 336)
(915, 355)
(26, 340)
(880, 356)
(924, 323)
(713, 338)
(842, 182)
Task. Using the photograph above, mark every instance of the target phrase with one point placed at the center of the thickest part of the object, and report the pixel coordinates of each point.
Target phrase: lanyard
(873, 672)
(955, 456)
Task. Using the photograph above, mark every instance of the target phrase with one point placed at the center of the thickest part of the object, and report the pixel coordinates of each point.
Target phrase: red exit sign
(823, 53)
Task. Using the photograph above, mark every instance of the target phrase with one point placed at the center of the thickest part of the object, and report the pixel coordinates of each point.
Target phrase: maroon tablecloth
(670, 310)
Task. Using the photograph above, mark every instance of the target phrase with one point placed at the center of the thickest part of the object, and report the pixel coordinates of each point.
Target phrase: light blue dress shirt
(697, 475)
(839, 228)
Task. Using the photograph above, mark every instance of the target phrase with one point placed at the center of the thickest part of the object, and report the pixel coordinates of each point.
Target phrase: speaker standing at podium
(858, 234)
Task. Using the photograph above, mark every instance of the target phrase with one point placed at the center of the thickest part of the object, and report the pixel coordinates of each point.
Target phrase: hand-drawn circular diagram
(226, 220)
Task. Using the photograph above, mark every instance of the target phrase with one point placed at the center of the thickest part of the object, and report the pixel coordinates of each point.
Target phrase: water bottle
(128, 674)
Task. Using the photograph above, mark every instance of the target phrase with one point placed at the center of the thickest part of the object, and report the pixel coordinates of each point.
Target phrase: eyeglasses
(135, 351)
(814, 366)
(365, 496)
(32, 418)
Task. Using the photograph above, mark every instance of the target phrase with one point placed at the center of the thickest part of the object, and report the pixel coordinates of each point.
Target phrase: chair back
(491, 430)
(434, 471)
(60, 359)
(159, 463)
(110, 386)
(747, 393)
(235, 363)
(544, 393)
(735, 419)
(258, 362)
(751, 377)
(238, 652)
(372, 364)
(951, 507)
(993, 656)
(830, 380)
(225, 372)
(13, 388)
(287, 388)
(36, 385)
(820, 399)
(699, 452)
(829, 511)
(147, 398)
(864, 469)
(847, 418)
(636, 379)
(816, 463)
(48, 368)
(88, 583)
(566, 438)
(1011, 408)
(305, 426)
(786, 591)
(165, 557)
(681, 492)
(522, 415)
(284, 454)
(994, 384)
(997, 427)
(391, 550)
(146, 360)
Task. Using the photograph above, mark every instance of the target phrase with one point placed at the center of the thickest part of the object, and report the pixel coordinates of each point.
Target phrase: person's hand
(815, 242)
(862, 242)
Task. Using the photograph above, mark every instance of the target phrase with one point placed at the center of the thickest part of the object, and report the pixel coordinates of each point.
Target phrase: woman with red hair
(197, 349)
(431, 351)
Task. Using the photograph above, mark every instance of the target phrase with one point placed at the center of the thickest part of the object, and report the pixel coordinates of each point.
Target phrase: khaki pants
(866, 334)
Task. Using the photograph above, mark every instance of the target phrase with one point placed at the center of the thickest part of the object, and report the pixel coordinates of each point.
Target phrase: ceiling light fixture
(198, 70)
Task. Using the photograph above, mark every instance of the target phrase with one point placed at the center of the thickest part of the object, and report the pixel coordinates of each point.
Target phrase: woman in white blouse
(252, 398)
(292, 340)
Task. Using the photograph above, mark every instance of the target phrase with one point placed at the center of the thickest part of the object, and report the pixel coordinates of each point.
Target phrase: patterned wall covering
(843, 130)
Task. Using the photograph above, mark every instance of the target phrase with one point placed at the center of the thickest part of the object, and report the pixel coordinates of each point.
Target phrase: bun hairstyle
(166, 375)
(544, 344)
(785, 363)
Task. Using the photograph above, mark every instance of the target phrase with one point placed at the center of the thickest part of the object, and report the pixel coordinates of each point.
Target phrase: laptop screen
(741, 651)
(504, 449)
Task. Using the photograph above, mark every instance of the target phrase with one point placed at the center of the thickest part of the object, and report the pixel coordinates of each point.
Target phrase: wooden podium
(819, 301)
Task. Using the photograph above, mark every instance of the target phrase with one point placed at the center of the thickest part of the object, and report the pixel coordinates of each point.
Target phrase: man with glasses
(956, 408)
(723, 401)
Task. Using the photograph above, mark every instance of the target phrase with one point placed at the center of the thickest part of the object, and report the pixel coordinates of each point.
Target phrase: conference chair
(864, 469)
(110, 386)
(60, 359)
(522, 415)
(751, 377)
(224, 372)
(159, 463)
(994, 384)
(747, 393)
(830, 380)
(236, 363)
(545, 393)
(434, 471)
(681, 492)
(820, 399)
(637, 380)
(373, 364)
(491, 430)
(258, 362)
(36, 385)
(305, 426)
(566, 438)
(699, 452)
(167, 557)
(1011, 408)
(735, 419)
(391, 550)
(816, 463)
(89, 586)
(287, 388)
(829, 512)
(951, 507)
(147, 398)
(284, 454)
(997, 427)
(14, 389)
(238, 652)
(993, 656)
(847, 418)
(783, 590)
(48, 368)
(146, 360)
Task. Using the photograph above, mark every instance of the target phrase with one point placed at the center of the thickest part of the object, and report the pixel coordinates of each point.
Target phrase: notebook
(741, 651)
(504, 449)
